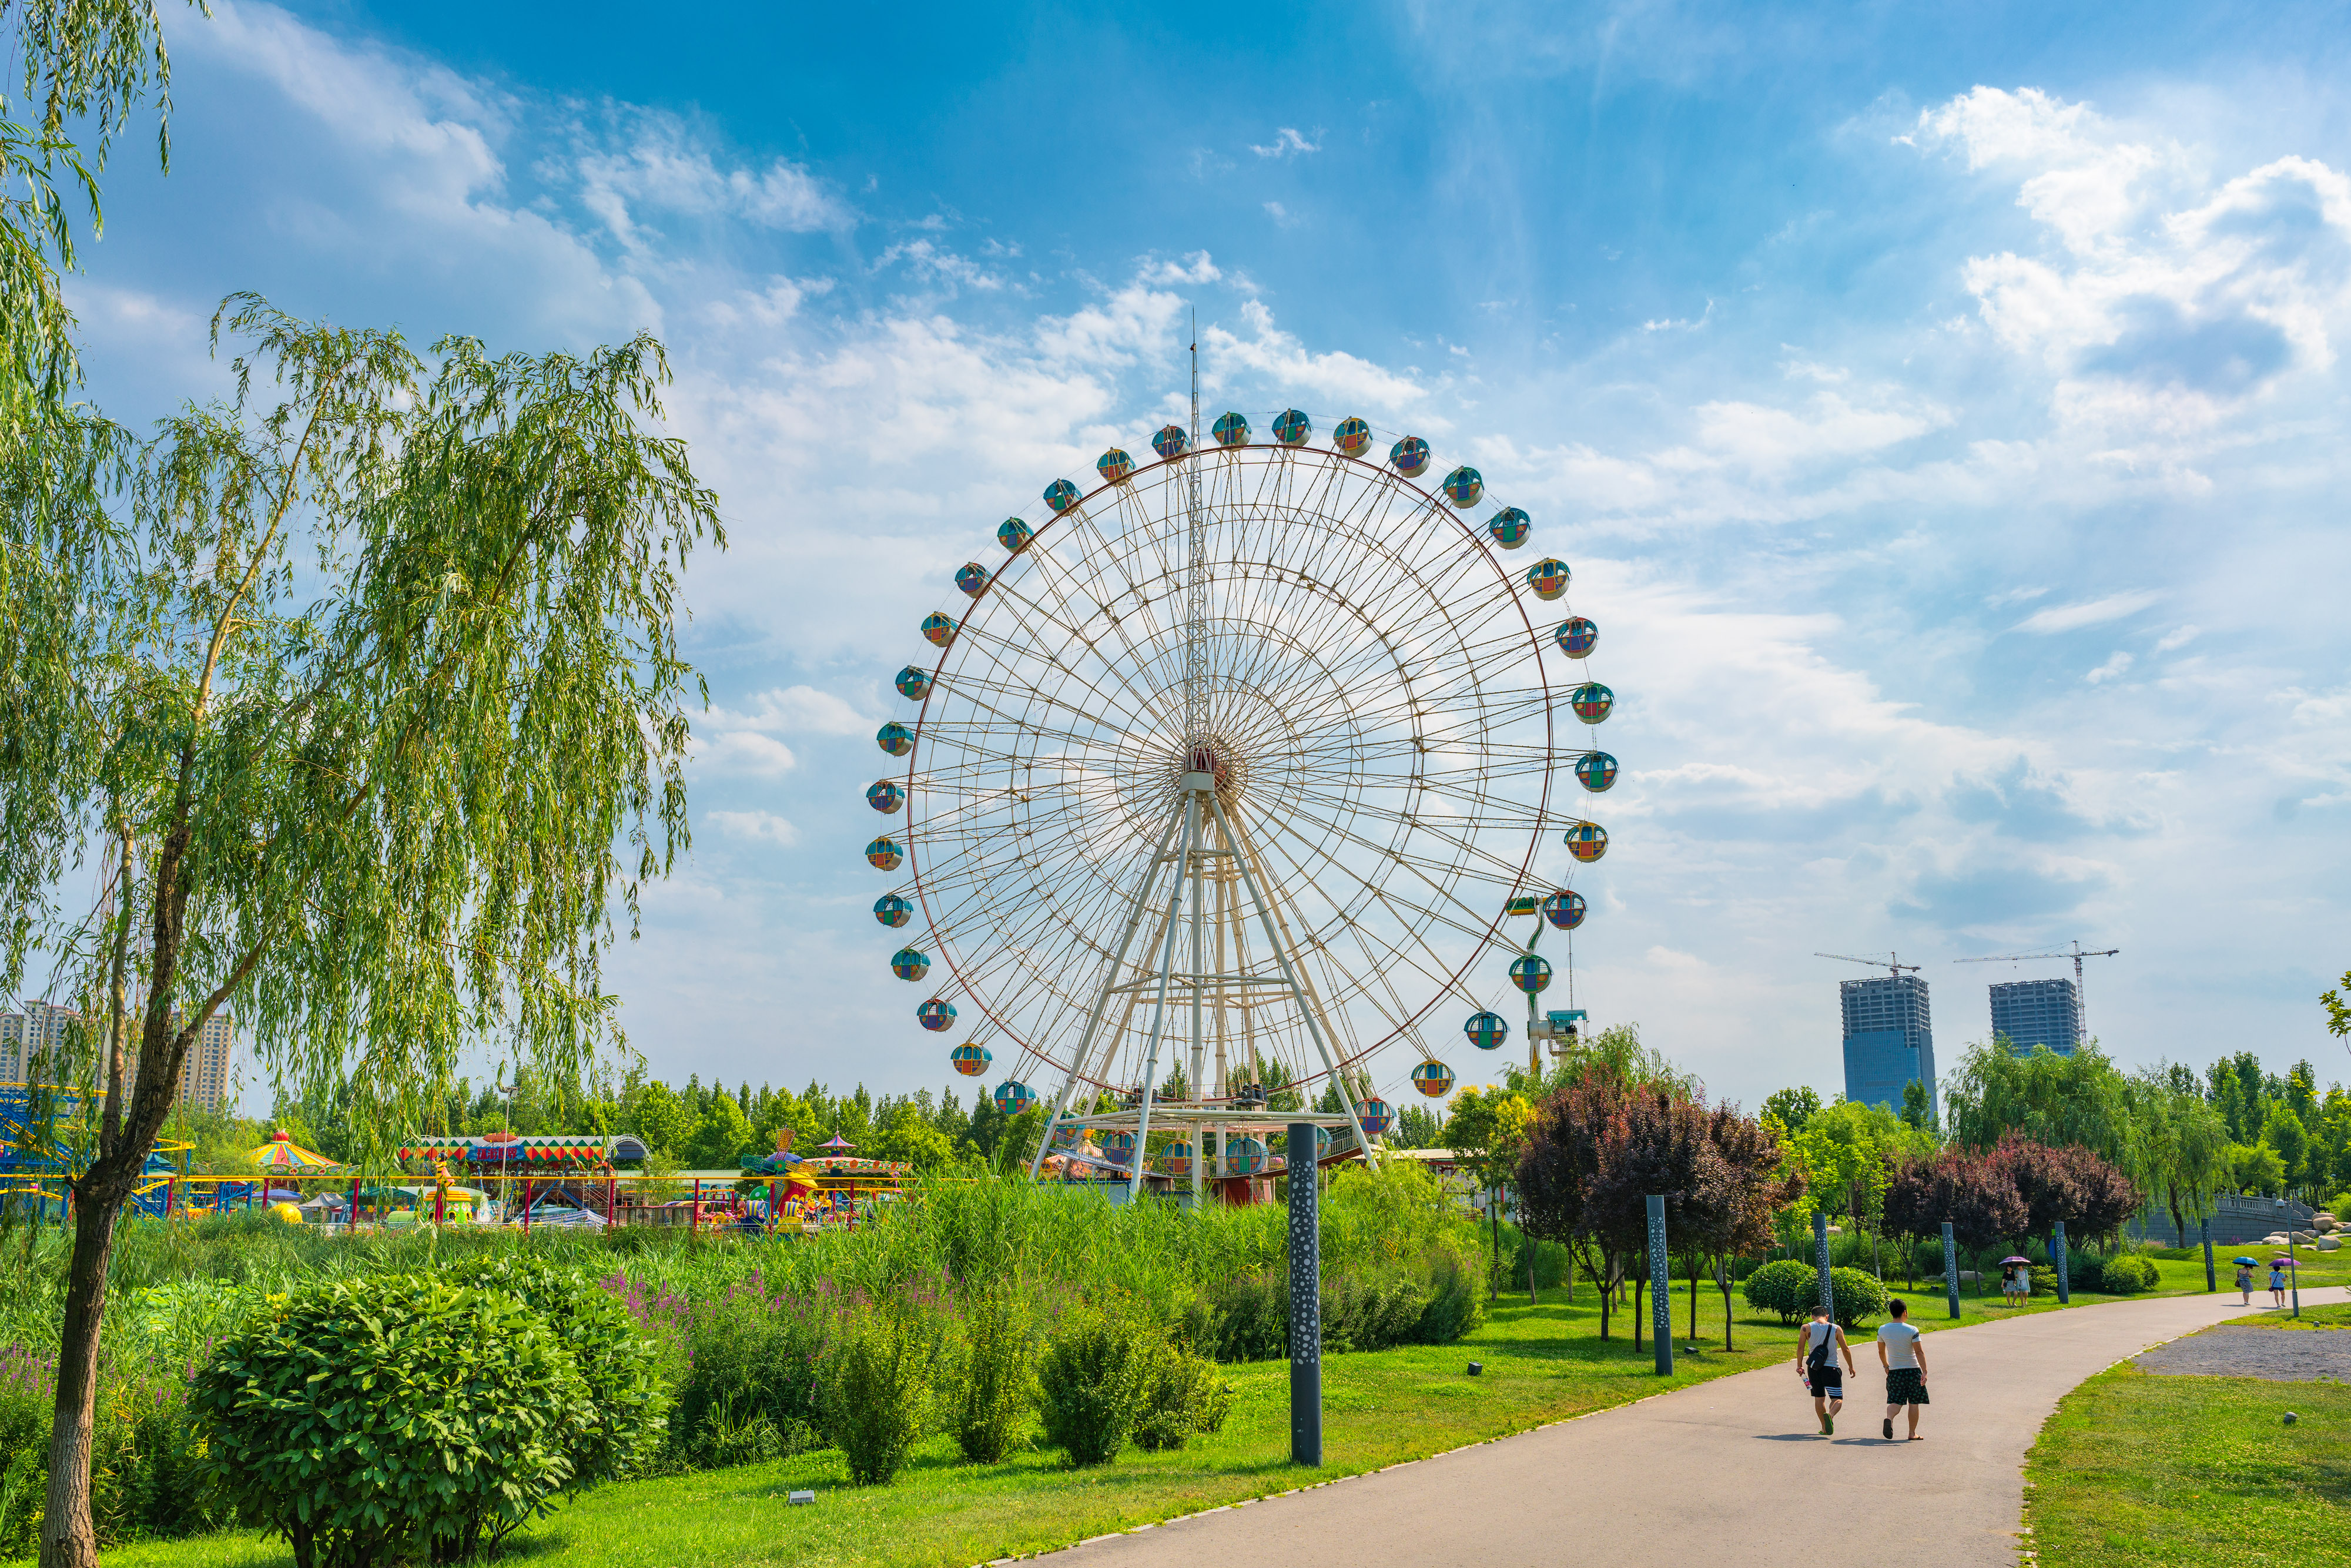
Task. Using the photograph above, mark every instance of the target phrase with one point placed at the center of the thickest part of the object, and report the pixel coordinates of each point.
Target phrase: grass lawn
(1542, 1363)
(2330, 1313)
(2136, 1469)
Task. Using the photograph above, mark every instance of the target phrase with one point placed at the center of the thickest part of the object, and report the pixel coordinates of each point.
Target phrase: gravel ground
(2234, 1351)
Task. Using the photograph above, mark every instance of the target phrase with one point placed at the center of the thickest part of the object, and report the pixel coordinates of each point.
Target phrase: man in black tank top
(1818, 1344)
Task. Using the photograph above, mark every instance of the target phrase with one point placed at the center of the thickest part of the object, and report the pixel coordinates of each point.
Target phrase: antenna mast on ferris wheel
(1196, 602)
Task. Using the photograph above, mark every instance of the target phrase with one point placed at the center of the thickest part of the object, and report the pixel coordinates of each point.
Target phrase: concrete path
(1738, 1463)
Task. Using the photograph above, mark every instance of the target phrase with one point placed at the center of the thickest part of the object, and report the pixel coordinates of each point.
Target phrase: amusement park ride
(1226, 776)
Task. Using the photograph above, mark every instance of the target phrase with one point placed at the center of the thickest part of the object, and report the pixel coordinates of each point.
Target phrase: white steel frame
(1362, 734)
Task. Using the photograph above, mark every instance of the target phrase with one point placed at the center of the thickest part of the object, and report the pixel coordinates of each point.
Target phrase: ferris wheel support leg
(1200, 1063)
(1289, 976)
(1159, 1013)
(1102, 1003)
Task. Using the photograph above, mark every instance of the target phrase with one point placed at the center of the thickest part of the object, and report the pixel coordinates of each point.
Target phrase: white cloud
(1194, 267)
(2111, 670)
(2089, 612)
(2159, 314)
(1278, 212)
(1690, 324)
(795, 710)
(2176, 639)
(755, 826)
(933, 263)
(744, 751)
(1335, 378)
(1287, 143)
(1760, 437)
(650, 160)
(413, 178)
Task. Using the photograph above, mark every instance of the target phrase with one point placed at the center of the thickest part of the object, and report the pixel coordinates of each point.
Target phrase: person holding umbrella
(2278, 1266)
(2245, 1279)
(2015, 1279)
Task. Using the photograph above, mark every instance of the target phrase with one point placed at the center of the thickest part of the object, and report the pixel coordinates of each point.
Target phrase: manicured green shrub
(877, 1387)
(400, 1417)
(997, 1377)
(1185, 1395)
(1092, 1380)
(2128, 1275)
(2043, 1278)
(616, 1358)
(1783, 1286)
(1859, 1296)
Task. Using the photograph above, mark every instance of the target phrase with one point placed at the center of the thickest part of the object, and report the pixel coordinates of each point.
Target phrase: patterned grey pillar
(1820, 1256)
(2211, 1282)
(2057, 1245)
(1661, 1287)
(1950, 1268)
(1305, 1302)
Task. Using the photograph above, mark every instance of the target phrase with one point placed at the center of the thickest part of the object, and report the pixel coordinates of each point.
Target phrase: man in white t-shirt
(1904, 1361)
(1818, 1344)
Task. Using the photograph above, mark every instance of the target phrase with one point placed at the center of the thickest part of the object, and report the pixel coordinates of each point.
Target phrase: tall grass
(176, 1287)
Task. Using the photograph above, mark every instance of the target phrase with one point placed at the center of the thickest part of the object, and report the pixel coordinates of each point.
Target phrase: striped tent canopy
(283, 1154)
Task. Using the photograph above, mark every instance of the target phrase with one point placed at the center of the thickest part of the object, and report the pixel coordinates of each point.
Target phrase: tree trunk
(68, 1537)
(1531, 1272)
(1722, 1278)
(1639, 1284)
(69, 1540)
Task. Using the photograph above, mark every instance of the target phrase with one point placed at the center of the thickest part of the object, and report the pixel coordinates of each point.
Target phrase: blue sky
(1943, 415)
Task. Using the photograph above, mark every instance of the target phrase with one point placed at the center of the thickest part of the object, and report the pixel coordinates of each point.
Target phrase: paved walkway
(1739, 1462)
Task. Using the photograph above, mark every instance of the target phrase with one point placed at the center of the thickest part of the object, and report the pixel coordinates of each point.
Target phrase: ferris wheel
(1228, 772)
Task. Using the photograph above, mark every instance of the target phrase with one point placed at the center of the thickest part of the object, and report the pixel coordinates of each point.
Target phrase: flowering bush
(740, 1364)
(147, 1471)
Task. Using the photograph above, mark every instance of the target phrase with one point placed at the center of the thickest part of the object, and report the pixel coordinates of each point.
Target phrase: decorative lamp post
(1305, 1301)
(1660, 1287)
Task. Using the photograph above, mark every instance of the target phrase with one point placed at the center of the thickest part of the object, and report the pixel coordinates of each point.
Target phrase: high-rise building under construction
(1889, 1039)
(2037, 1012)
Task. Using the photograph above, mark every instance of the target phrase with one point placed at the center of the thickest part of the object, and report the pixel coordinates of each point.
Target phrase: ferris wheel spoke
(1022, 671)
(1468, 921)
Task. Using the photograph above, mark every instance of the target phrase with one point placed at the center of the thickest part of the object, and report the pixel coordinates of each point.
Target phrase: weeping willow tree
(84, 66)
(367, 685)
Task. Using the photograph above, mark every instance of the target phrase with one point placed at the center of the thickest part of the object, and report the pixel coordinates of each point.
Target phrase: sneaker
(1889, 1428)
(1828, 1424)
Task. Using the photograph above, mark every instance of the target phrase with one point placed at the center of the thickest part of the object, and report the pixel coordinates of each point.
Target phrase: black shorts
(1828, 1382)
(1904, 1385)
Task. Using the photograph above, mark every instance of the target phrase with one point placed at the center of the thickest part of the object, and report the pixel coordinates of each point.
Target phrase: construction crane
(1892, 961)
(2076, 952)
